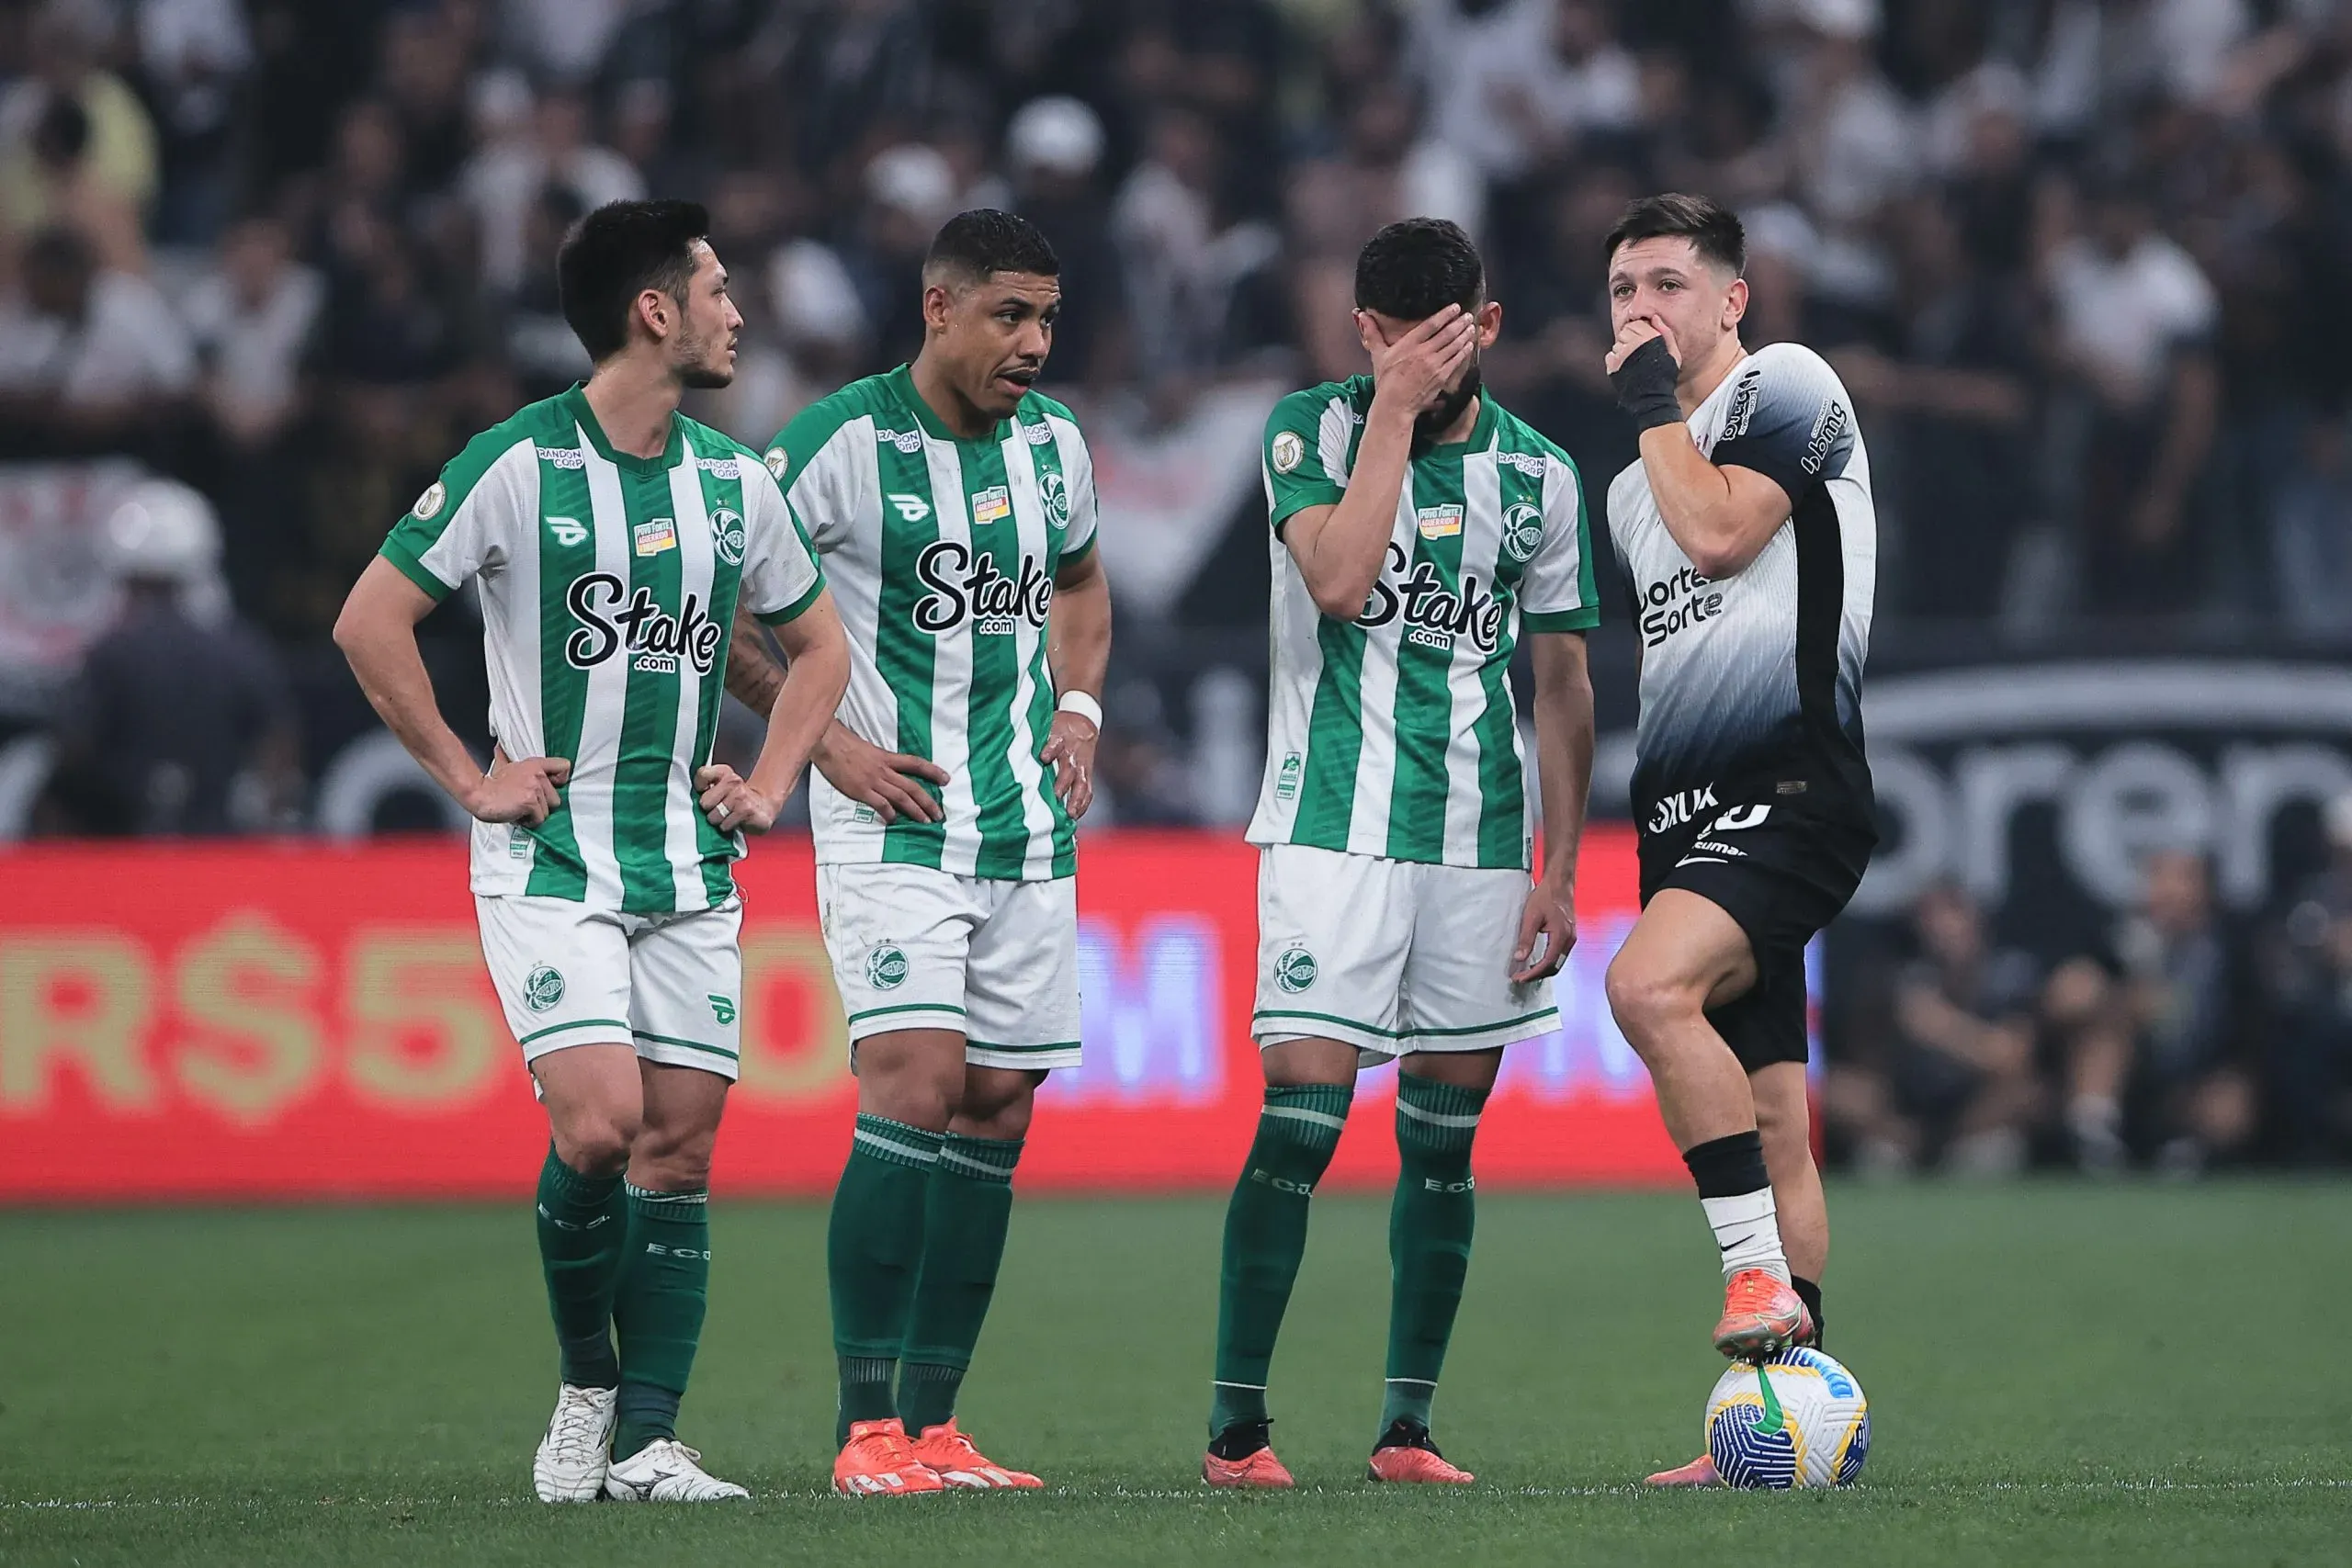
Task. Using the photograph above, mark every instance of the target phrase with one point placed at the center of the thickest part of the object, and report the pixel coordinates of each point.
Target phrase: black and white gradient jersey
(1752, 684)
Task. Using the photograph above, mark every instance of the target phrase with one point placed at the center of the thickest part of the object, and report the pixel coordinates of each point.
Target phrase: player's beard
(699, 373)
(1432, 422)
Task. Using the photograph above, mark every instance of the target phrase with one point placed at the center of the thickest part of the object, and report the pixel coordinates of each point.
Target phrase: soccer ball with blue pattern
(1799, 1419)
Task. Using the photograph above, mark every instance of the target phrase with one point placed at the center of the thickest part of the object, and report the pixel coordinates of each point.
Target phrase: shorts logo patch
(721, 1008)
(1288, 450)
(1522, 531)
(1296, 970)
(726, 536)
(1740, 816)
(885, 969)
(428, 505)
(543, 989)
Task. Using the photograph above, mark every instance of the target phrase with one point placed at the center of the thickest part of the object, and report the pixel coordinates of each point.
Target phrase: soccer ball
(1797, 1420)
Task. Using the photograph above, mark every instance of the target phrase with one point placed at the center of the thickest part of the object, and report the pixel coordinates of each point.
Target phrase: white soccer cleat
(666, 1471)
(573, 1457)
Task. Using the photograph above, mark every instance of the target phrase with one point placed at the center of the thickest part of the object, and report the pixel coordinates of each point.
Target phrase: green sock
(1430, 1226)
(1265, 1235)
(583, 1225)
(658, 1311)
(873, 1251)
(965, 1218)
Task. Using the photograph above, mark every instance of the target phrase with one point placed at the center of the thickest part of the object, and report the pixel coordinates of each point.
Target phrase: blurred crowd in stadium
(2080, 262)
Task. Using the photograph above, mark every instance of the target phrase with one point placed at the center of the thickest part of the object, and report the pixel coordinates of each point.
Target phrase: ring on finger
(724, 810)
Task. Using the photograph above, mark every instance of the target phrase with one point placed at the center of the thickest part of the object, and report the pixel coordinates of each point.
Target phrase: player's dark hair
(1414, 269)
(973, 246)
(1713, 229)
(616, 254)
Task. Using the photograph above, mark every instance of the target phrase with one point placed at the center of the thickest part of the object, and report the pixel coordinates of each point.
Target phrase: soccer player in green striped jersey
(953, 506)
(1418, 529)
(613, 543)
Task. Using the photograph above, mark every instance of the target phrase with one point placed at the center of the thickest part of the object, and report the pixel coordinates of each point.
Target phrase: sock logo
(1283, 1183)
(1296, 970)
(658, 1250)
(543, 989)
(721, 1008)
(885, 969)
(1431, 1184)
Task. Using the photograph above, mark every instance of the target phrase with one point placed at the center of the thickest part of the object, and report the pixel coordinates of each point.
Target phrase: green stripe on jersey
(1395, 734)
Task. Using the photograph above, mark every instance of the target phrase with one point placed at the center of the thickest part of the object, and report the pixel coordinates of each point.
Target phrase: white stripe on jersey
(680, 802)
(1482, 543)
(1030, 527)
(1332, 434)
(510, 603)
(591, 795)
(950, 676)
(1376, 690)
(871, 707)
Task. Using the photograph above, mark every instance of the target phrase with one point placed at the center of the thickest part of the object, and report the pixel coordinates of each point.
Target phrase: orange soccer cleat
(1257, 1469)
(1405, 1453)
(949, 1454)
(1699, 1472)
(1762, 1313)
(878, 1462)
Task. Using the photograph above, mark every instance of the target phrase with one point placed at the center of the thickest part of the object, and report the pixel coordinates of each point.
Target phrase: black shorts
(1783, 867)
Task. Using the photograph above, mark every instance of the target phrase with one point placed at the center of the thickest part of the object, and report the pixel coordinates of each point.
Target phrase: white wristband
(1084, 705)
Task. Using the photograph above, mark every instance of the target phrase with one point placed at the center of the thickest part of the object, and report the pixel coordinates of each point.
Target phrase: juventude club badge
(1294, 971)
(1522, 531)
(726, 536)
(885, 969)
(543, 989)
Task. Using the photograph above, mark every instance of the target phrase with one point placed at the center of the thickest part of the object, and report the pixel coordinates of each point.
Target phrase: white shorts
(1391, 956)
(671, 986)
(994, 961)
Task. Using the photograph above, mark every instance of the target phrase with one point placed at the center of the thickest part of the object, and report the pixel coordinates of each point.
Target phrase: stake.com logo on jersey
(654, 636)
(966, 584)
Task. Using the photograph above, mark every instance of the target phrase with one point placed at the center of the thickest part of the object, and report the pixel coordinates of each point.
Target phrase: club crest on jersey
(655, 535)
(778, 462)
(543, 989)
(1434, 614)
(655, 638)
(1288, 451)
(1522, 531)
(1053, 492)
(1439, 521)
(726, 536)
(428, 505)
(966, 585)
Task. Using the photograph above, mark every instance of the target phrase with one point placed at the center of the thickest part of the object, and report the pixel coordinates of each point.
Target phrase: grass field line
(1209, 1494)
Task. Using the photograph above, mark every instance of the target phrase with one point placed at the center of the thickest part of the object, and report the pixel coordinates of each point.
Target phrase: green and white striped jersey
(608, 588)
(1395, 734)
(943, 554)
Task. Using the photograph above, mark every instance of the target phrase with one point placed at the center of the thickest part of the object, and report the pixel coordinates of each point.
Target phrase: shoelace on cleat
(576, 1422)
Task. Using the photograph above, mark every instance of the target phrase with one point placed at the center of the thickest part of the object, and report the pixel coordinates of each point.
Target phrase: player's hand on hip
(890, 782)
(1421, 361)
(1547, 929)
(524, 789)
(1071, 748)
(730, 802)
(1631, 335)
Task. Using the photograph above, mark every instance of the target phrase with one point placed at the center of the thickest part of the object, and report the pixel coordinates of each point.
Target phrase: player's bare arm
(1564, 769)
(753, 673)
(377, 632)
(1339, 548)
(864, 772)
(816, 673)
(1079, 651)
(1667, 302)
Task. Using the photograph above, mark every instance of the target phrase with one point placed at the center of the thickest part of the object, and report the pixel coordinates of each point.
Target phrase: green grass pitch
(2132, 1375)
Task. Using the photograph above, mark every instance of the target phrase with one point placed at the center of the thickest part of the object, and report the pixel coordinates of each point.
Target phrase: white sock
(1748, 1228)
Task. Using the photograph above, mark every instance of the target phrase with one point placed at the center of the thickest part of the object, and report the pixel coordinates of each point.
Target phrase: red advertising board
(300, 1021)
